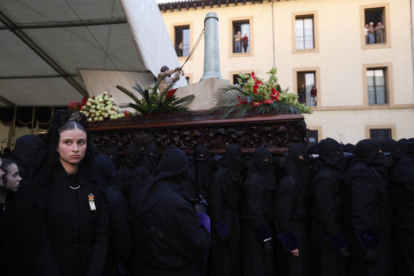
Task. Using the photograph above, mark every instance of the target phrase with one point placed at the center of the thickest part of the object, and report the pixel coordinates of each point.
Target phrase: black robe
(73, 239)
(402, 195)
(258, 202)
(371, 221)
(225, 249)
(292, 209)
(327, 228)
(117, 260)
(173, 236)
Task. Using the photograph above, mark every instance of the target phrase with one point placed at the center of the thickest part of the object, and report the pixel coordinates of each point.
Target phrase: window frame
(297, 15)
(368, 129)
(232, 73)
(182, 24)
(231, 36)
(388, 82)
(387, 24)
(190, 77)
(314, 128)
(317, 82)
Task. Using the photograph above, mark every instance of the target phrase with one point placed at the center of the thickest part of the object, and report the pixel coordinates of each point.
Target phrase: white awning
(44, 45)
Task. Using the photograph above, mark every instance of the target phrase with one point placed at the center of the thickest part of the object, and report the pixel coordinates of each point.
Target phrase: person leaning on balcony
(379, 33)
(371, 33)
(313, 93)
(366, 33)
(245, 42)
(237, 42)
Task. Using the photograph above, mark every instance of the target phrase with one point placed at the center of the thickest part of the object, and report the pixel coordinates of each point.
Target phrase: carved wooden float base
(185, 130)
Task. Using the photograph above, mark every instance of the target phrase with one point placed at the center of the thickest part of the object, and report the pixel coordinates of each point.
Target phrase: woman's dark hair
(5, 166)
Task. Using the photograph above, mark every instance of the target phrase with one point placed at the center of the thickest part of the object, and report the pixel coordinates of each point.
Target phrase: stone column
(211, 48)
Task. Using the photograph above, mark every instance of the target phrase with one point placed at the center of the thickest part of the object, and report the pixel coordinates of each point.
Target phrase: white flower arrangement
(101, 107)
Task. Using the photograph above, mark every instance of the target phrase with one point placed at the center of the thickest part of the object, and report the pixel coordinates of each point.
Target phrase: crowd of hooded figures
(68, 210)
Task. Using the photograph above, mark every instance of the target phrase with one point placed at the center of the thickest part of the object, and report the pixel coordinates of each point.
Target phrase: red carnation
(84, 101)
(126, 113)
(170, 93)
(255, 87)
(268, 101)
(259, 82)
(253, 76)
(275, 95)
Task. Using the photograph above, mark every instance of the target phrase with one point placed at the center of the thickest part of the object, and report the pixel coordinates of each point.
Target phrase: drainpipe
(412, 37)
(273, 35)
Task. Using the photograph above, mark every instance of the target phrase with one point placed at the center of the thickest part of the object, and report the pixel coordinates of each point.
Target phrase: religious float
(252, 113)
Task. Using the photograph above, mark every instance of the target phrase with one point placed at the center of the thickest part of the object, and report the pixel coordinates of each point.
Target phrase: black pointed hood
(170, 177)
(204, 166)
(25, 150)
(263, 165)
(113, 154)
(368, 152)
(150, 160)
(132, 156)
(299, 169)
(232, 161)
(331, 157)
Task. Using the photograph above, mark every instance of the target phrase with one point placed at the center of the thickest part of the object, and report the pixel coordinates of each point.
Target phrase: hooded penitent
(294, 164)
(331, 156)
(26, 147)
(203, 171)
(368, 152)
(113, 154)
(151, 157)
(171, 170)
(169, 238)
(292, 210)
(349, 150)
(132, 156)
(232, 161)
(262, 163)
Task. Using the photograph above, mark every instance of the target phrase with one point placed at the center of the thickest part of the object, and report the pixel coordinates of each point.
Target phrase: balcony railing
(377, 94)
(184, 52)
(306, 99)
(305, 42)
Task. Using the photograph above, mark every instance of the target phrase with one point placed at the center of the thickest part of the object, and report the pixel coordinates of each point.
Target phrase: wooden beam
(244, 1)
(227, 1)
(211, 4)
(195, 5)
(219, 3)
(172, 8)
(203, 4)
(164, 9)
(179, 7)
(187, 6)
(235, 1)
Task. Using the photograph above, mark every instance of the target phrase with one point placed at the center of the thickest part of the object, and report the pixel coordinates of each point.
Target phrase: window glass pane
(299, 33)
(186, 42)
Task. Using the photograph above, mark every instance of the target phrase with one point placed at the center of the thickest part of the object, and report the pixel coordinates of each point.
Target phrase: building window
(377, 86)
(313, 137)
(304, 32)
(307, 90)
(241, 37)
(380, 134)
(236, 79)
(375, 26)
(182, 40)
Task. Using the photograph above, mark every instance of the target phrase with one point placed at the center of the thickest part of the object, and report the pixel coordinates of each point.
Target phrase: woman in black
(258, 205)
(370, 210)
(328, 247)
(9, 183)
(292, 213)
(67, 213)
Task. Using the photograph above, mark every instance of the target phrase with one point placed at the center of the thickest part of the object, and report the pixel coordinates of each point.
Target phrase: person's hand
(295, 252)
(177, 69)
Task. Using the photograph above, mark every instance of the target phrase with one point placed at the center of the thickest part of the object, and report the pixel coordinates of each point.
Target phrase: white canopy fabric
(44, 45)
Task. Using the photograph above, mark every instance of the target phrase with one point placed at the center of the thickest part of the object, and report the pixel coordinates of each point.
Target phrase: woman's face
(12, 178)
(72, 146)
